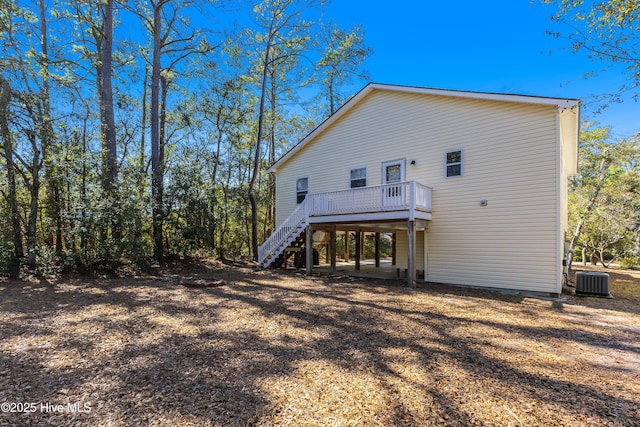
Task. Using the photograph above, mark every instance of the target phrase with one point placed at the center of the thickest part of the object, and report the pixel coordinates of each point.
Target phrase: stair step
(295, 239)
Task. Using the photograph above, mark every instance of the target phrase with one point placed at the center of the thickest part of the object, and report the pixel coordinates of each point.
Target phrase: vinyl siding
(510, 158)
(402, 241)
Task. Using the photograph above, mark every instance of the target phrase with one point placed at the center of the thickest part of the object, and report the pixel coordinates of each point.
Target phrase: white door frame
(392, 163)
(393, 196)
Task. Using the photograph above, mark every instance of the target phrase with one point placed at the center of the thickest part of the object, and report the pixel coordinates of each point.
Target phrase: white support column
(346, 246)
(394, 251)
(411, 254)
(332, 248)
(358, 248)
(309, 250)
(426, 256)
(412, 201)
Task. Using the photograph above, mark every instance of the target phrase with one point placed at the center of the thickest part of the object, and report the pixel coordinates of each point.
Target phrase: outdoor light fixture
(413, 162)
(484, 202)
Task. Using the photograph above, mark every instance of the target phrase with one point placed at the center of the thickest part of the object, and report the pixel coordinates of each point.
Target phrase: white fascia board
(569, 136)
(557, 102)
(335, 116)
(526, 99)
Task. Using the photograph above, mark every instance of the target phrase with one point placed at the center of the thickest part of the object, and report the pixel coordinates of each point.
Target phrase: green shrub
(9, 265)
(630, 262)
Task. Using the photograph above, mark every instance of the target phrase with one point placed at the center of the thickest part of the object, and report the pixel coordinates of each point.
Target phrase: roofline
(492, 96)
(560, 103)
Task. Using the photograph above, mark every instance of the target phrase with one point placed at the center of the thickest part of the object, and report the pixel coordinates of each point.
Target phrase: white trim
(426, 254)
(366, 176)
(560, 103)
(400, 162)
(296, 188)
(446, 175)
(560, 198)
(526, 99)
(372, 216)
(394, 193)
(569, 131)
(335, 116)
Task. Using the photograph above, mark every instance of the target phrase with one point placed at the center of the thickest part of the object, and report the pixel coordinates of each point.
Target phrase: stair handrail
(283, 232)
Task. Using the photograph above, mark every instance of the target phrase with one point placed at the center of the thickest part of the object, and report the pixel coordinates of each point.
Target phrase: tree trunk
(83, 188)
(156, 173)
(271, 205)
(5, 134)
(214, 201)
(34, 191)
(161, 163)
(143, 132)
(332, 108)
(107, 118)
(47, 136)
(576, 235)
(256, 160)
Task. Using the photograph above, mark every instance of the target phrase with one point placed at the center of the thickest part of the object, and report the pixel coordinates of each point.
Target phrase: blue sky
(489, 46)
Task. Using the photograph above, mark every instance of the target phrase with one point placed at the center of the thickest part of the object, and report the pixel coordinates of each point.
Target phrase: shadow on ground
(273, 348)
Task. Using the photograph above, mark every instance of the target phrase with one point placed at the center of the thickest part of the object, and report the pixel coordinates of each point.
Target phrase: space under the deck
(386, 269)
(367, 269)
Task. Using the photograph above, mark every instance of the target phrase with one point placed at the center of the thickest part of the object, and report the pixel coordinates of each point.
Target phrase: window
(302, 188)
(453, 160)
(358, 177)
(393, 171)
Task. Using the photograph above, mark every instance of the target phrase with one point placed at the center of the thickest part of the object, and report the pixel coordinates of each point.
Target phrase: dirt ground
(625, 284)
(224, 345)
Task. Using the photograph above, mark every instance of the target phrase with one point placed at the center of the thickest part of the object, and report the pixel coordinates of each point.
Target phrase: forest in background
(134, 132)
(142, 130)
(604, 197)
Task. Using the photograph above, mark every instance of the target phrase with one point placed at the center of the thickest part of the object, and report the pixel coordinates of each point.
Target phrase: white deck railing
(409, 195)
(401, 196)
(283, 232)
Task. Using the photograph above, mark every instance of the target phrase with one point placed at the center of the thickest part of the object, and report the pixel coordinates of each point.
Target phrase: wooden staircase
(280, 259)
(291, 233)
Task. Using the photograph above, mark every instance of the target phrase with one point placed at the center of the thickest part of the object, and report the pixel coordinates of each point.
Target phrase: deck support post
(377, 249)
(346, 246)
(358, 248)
(332, 248)
(411, 254)
(393, 248)
(309, 250)
(426, 256)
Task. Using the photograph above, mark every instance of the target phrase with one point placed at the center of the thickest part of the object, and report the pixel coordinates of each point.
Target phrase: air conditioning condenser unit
(592, 283)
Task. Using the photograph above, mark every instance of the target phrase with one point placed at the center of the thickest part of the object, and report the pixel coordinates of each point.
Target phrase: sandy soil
(220, 345)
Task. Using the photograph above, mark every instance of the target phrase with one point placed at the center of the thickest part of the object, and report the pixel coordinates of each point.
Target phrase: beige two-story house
(472, 185)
